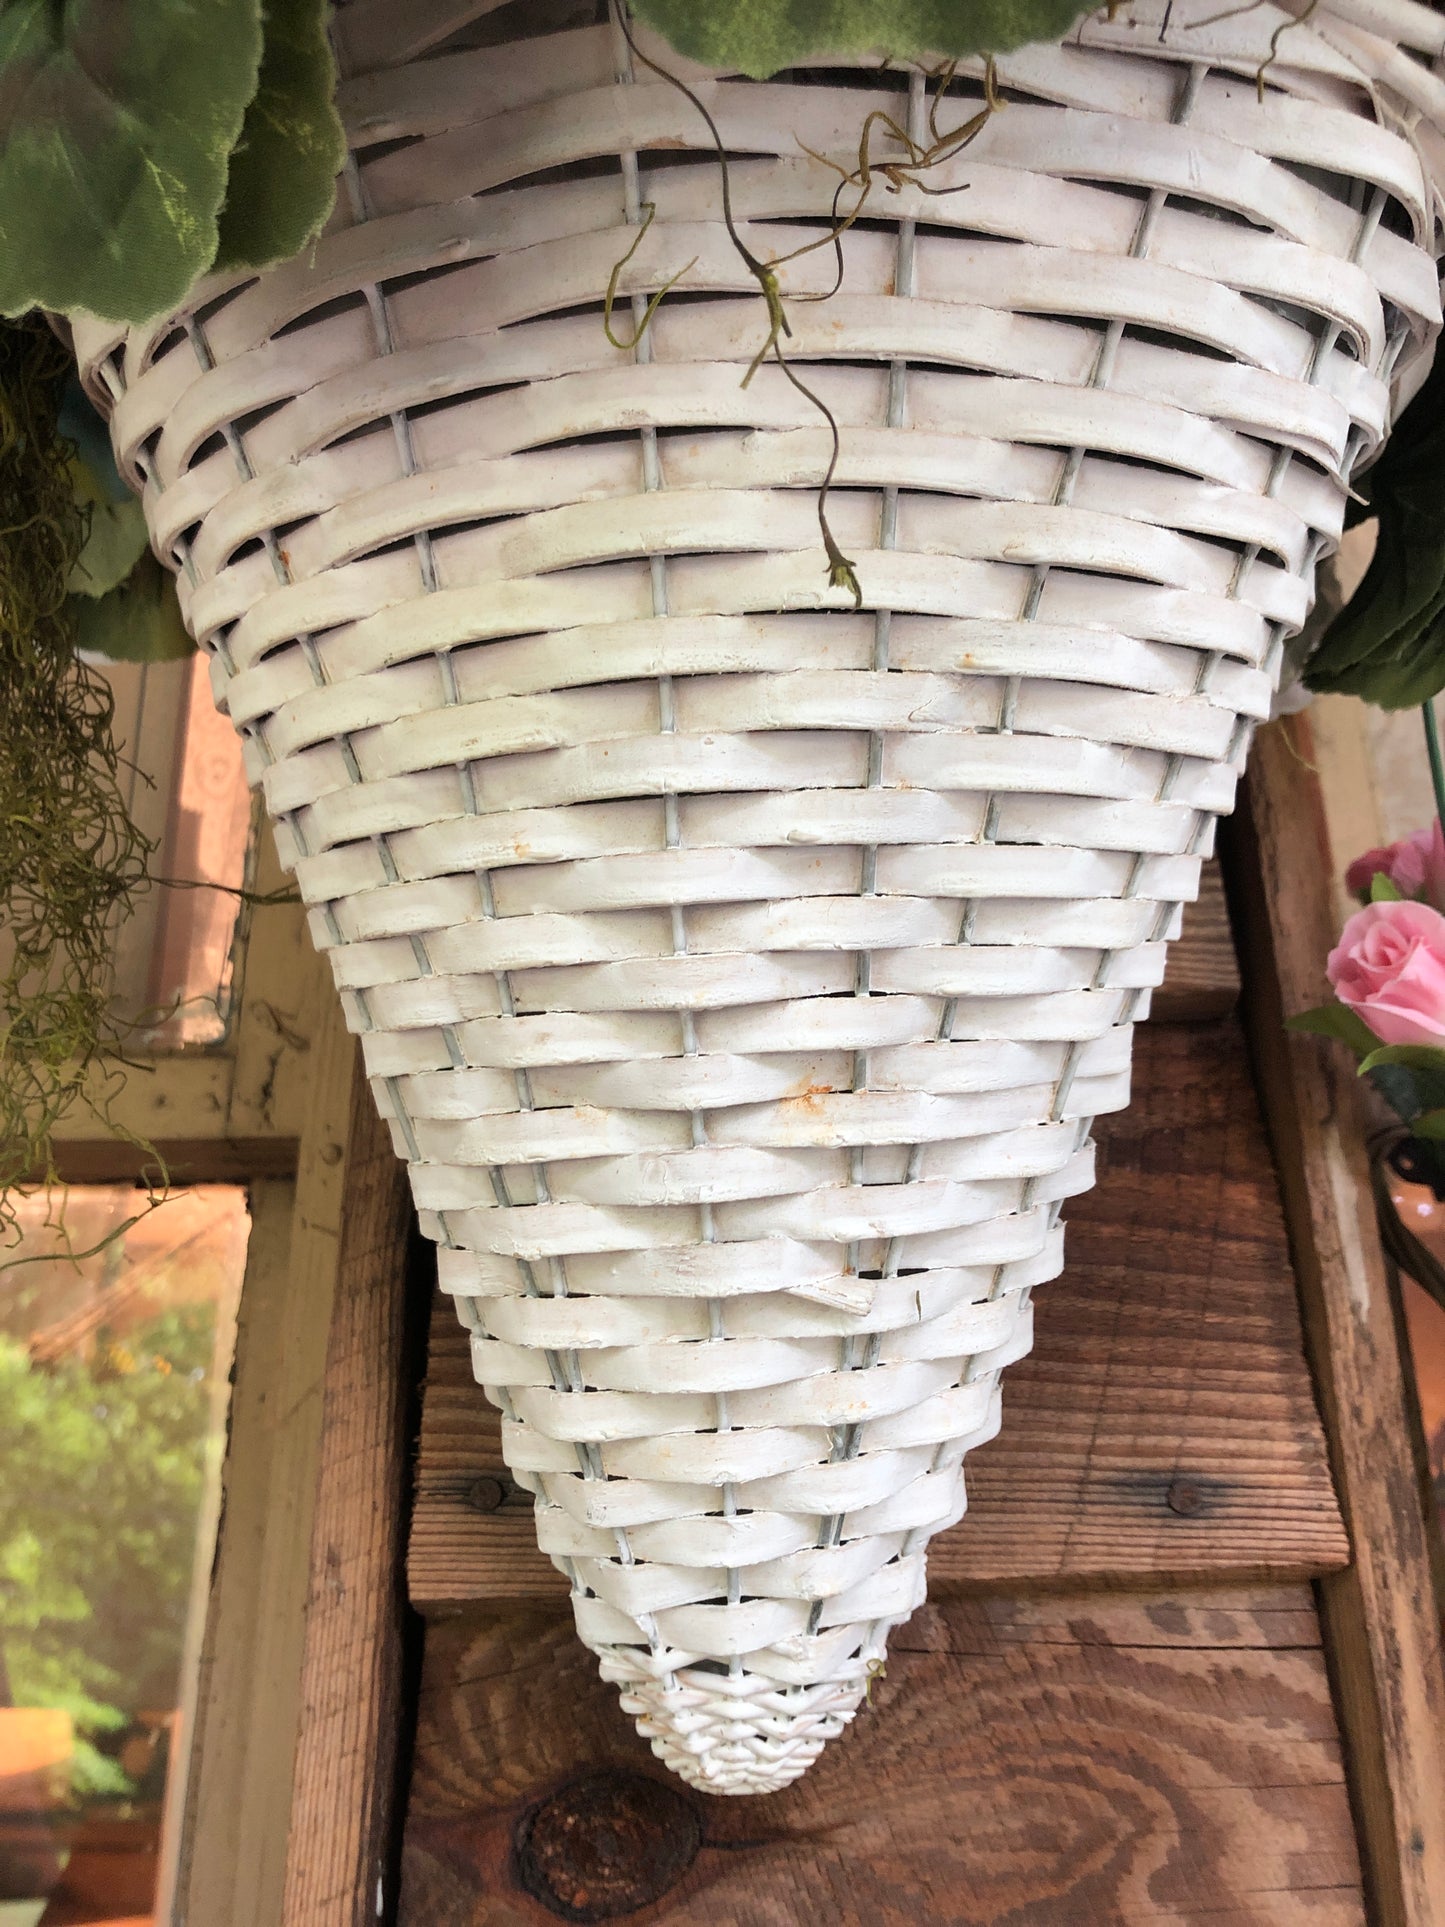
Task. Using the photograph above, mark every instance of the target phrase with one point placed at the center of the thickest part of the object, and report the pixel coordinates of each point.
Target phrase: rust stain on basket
(808, 1093)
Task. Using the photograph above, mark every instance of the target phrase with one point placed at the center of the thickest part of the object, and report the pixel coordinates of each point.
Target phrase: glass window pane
(114, 1371)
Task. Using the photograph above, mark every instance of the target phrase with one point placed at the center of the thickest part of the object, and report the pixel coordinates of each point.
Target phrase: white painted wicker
(740, 973)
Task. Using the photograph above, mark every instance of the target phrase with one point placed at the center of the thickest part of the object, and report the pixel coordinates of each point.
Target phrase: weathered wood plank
(286, 994)
(1164, 1425)
(187, 1160)
(183, 1099)
(1099, 1762)
(1201, 978)
(149, 733)
(229, 1863)
(234, 1111)
(343, 1787)
(1381, 1615)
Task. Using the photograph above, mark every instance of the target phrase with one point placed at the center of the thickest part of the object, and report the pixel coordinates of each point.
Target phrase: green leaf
(282, 182)
(1338, 1021)
(1382, 890)
(80, 422)
(1410, 1089)
(1388, 643)
(138, 622)
(116, 540)
(118, 118)
(759, 37)
(1417, 1057)
(1430, 1124)
(1397, 1086)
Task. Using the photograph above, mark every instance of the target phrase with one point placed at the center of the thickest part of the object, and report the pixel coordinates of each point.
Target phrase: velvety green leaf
(117, 121)
(1338, 1021)
(1418, 1057)
(80, 422)
(1388, 643)
(138, 622)
(283, 173)
(1430, 1124)
(1410, 1089)
(1382, 890)
(1397, 1086)
(759, 37)
(116, 540)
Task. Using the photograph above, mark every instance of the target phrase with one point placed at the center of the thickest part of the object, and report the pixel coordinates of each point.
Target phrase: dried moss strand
(71, 860)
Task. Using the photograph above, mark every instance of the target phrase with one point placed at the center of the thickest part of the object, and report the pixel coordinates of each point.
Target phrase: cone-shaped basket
(740, 973)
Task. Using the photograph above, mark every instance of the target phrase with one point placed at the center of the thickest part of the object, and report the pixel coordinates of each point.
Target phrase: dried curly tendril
(71, 859)
(914, 159)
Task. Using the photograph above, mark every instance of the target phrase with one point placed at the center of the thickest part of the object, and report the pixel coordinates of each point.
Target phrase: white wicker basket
(740, 973)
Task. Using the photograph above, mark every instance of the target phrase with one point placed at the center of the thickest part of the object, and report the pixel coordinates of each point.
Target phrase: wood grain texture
(148, 732)
(230, 1113)
(1381, 1615)
(1164, 1424)
(233, 1828)
(1095, 1761)
(343, 1784)
(286, 993)
(1201, 978)
(230, 1860)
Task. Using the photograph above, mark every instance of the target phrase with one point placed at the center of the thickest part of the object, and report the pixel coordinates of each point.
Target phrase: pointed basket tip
(741, 1733)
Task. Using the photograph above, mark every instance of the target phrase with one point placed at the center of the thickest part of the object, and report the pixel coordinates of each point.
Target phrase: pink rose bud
(1363, 871)
(1389, 968)
(1415, 865)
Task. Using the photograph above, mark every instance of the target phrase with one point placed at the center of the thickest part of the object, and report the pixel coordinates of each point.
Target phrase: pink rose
(1389, 968)
(1415, 865)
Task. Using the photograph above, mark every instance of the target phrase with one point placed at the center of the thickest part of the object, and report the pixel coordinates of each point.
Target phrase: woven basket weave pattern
(740, 973)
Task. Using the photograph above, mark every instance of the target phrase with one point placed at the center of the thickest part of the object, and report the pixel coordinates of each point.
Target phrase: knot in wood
(606, 1845)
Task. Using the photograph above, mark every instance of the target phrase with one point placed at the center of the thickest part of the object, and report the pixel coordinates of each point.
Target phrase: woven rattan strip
(741, 971)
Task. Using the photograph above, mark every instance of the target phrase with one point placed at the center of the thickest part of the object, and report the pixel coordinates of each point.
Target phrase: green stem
(1437, 764)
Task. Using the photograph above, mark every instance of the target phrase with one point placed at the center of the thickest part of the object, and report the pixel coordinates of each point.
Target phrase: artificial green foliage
(1410, 1078)
(115, 535)
(82, 425)
(117, 122)
(1388, 643)
(1417, 1057)
(759, 37)
(122, 602)
(1339, 1021)
(1413, 1090)
(101, 1468)
(138, 621)
(283, 173)
(115, 522)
